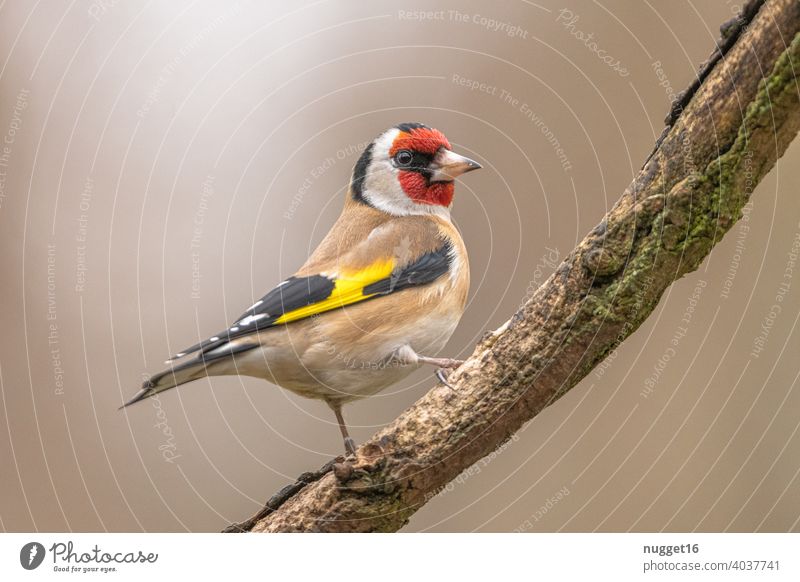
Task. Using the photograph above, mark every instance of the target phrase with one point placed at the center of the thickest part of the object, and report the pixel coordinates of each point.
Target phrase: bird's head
(409, 169)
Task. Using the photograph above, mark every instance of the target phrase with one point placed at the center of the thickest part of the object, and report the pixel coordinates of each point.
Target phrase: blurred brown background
(168, 163)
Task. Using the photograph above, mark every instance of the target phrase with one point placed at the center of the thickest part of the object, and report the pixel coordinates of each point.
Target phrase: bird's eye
(404, 158)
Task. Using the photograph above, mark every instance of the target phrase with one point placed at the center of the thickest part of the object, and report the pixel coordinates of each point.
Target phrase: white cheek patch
(382, 185)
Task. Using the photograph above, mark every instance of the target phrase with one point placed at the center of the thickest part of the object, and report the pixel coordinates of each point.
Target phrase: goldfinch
(379, 297)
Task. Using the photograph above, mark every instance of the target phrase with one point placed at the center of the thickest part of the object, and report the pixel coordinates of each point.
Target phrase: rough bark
(723, 135)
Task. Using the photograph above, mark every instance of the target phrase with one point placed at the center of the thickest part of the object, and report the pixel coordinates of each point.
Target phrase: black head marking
(360, 173)
(410, 126)
(420, 164)
(426, 269)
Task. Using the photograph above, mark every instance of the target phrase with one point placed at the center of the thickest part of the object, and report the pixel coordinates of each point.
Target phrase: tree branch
(727, 132)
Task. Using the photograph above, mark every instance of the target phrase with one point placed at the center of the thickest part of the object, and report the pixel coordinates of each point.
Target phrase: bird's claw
(442, 375)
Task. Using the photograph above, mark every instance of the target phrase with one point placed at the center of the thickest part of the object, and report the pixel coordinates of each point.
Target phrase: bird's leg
(349, 443)
(444, 365)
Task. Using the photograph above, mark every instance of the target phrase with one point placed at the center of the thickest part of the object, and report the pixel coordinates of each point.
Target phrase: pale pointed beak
(447, 165)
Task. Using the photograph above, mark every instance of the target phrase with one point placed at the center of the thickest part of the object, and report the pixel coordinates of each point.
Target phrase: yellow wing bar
(348, 289)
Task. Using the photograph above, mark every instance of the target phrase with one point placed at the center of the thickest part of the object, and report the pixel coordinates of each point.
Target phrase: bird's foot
(442, 374)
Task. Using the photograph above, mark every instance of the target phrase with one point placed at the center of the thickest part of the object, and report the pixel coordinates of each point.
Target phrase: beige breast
(347, 353)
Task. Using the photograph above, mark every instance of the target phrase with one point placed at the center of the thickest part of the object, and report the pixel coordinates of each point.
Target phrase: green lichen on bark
(732, 177)
(669, 236)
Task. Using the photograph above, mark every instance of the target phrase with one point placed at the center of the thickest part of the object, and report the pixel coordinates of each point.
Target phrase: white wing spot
(256, 304)
(234, 328)
(251, 318)
(214, 339)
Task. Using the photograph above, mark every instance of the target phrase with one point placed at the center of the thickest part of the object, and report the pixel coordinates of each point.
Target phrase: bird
(378, 298)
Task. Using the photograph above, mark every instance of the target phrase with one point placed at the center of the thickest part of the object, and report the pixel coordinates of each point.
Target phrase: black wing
(298, 292)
